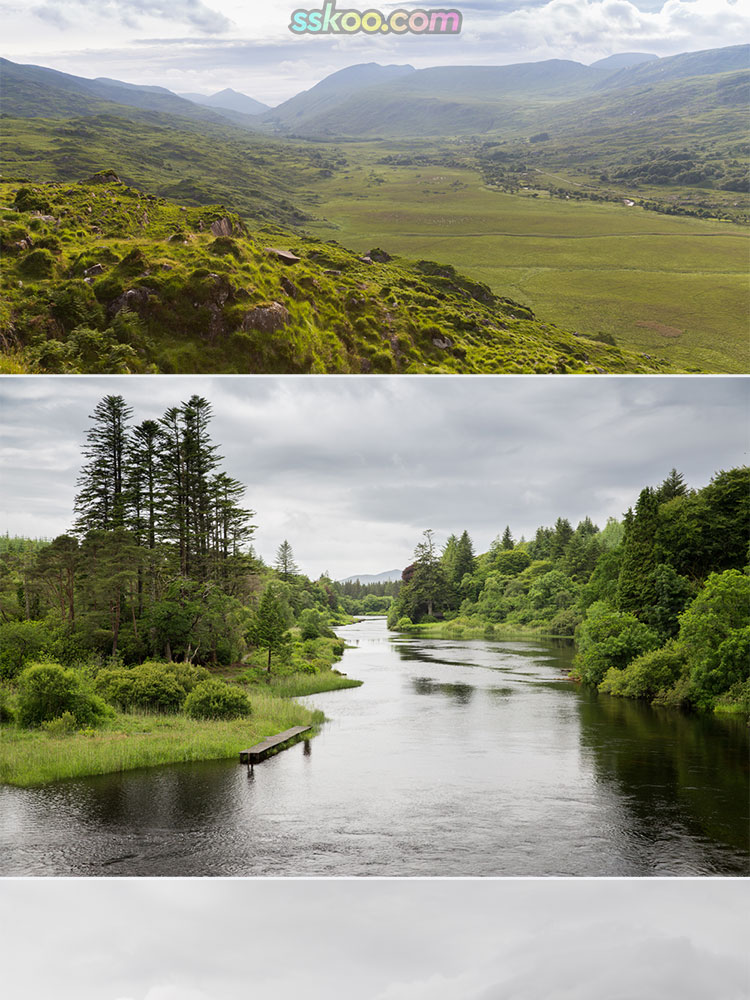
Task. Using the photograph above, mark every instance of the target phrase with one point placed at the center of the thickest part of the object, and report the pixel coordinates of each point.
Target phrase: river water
(455, 758)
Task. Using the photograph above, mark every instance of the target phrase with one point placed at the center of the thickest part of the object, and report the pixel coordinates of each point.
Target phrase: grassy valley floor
(674, 287)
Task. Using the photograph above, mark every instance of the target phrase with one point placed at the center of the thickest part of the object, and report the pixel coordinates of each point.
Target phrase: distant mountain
(333, 90)
(705, 63)
(378, 101)
(623, 59)
(364, 578)
(229, 100)
(36, 92)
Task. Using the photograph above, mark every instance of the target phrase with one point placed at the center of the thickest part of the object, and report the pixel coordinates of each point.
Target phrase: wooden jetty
(259, 752)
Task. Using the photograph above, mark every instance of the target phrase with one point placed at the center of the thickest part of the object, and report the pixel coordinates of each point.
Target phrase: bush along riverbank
(658, 604)
(67, 723)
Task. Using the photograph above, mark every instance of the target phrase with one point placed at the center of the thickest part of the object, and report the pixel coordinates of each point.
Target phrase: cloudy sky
(206, 45)
(352, 470)
(375, 940)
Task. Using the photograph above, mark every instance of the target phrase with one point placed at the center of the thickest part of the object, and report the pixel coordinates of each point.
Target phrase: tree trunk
(269, 659)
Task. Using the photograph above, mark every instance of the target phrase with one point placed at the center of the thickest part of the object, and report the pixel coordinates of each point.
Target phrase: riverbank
(127, 741)
(457, 629)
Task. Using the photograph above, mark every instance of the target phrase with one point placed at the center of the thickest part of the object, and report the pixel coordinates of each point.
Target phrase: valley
(599, 213)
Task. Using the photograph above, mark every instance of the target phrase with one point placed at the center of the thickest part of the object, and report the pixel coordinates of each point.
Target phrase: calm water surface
(456, 757)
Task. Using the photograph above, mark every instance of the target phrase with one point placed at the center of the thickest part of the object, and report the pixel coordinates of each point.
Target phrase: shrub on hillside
(215, 699)
(38, 264)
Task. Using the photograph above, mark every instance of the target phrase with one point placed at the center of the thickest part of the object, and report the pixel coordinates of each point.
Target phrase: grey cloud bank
(194, 46)
(351, 471)
(376, 940)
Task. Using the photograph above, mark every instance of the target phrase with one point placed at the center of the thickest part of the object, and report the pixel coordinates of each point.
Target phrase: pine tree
(101, 501)
(269, 628)
(673, 486)
(507, 542)
(634, 586)
(285, 563)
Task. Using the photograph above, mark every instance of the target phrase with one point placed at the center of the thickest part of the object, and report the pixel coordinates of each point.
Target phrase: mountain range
(364, 578)
(370, 100)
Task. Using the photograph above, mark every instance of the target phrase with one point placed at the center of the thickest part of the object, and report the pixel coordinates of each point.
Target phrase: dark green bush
(647, 675)
(46, 691)
(149, 686)
(38, 264)
(21, 642)
(29, 200)
(74, 303)
(215, 699)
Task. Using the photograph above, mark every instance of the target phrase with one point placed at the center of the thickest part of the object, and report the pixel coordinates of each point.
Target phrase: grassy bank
(35, 757)
(481, 630)
(129, 740)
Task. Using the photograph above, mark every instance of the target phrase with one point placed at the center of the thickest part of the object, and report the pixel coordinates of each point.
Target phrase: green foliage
(609, 638)
(269, 628)
(715, 632)
(214, 699)
(21, 642)
(37, 264)
(312, 624)
(647, 675)
(7, 714)
(152, 687)
(46, 691)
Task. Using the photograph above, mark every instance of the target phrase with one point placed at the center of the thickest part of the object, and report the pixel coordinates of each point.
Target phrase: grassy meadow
(668, 285)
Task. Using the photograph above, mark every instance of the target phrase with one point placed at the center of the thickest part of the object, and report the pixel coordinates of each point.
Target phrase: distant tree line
(658, 603)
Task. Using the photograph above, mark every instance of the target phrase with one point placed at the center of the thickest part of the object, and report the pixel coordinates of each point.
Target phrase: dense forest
(155, 598)
(658, 603)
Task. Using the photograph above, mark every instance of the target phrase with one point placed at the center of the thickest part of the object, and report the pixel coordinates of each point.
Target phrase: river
(455, 758)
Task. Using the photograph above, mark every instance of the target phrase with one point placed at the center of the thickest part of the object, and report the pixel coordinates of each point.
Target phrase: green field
(674, 286)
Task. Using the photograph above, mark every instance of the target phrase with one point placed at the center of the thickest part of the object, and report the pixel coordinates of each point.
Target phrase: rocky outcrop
(134, 300)
(379, 256)
(222, 227)
(285, 256)
(267, 319)
(104, 177)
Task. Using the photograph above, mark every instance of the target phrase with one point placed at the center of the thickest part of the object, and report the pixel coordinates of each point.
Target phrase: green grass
(171, 296)
(674, 287)
(300, 685)
(33, 757)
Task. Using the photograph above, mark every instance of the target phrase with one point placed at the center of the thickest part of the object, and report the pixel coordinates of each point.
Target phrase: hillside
(195, 163)
(37, 92)
(101, 277)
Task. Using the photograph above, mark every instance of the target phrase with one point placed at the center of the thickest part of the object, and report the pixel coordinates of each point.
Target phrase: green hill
(101, 277)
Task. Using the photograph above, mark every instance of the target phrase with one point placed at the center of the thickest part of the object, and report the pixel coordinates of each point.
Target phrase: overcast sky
(206, 45)
(351, 470)
(375, 940)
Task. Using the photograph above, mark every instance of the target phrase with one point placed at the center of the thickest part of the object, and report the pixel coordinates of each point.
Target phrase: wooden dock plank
(254, 754)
